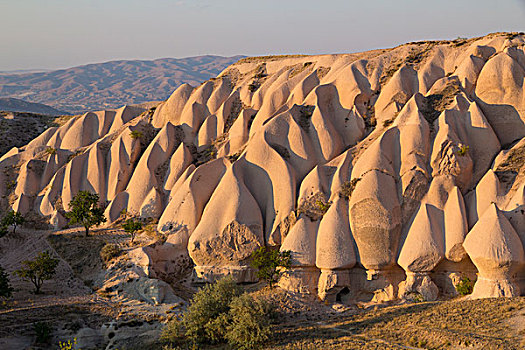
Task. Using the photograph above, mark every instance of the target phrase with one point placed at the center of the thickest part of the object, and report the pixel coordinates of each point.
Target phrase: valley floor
(453, 324)
(69, 304)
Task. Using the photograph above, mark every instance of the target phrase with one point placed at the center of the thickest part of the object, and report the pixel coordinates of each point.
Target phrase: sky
(52, 34)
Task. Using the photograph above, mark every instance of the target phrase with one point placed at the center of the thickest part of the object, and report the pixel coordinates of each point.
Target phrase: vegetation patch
(18, 129)
(322, 72)
(219, 313)
(109, 252)
(415, 57)
(235, 111)
(85, 210)
(5, 286)
(514, 160)
(465, 324)
(207, 153)
(136, 134)
(436, 103)
(43, 332)
(259, 77)
(132, 226)
(305, 116)
(51, 151)
(299, 68)
(465, 286)
(12, 218)
(314, 206)
(348, 187)
(283, 151)
(463, 150)
(388, 122)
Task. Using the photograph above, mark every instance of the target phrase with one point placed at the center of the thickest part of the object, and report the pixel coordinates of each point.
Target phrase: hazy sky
(65, 33)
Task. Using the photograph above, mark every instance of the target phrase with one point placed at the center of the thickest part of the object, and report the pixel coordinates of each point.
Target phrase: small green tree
(85, 210)
(42, 268)
(270, 262)
(13, 218)
(131, 226)
(5, 287)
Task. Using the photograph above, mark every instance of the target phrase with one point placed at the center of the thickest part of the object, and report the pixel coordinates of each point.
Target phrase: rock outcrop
(387, 174)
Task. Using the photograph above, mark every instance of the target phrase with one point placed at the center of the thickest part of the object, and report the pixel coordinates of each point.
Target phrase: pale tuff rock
(422, 250)
(375, 220)
(497, 251)
(370, 167)
(150, 169)
(170, 110)
(231, 227)
(334, 244)
(187, 202)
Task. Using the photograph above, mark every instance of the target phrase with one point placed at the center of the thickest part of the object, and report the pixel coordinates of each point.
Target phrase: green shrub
(249, 322)
(314, 206)
(109, 251)
(173, 332)
(5, 287)
(135, 134)
(205, 315)
(465, 286)
(51, 151)
(43, 332)
(322, 206)
(463, 150)
(219, 313)
(42, 268)
(269, 263)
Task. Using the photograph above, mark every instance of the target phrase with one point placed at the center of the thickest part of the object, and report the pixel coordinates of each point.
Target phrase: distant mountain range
(110, 84)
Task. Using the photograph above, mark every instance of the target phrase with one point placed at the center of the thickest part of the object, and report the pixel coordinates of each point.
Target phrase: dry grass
(477, 324)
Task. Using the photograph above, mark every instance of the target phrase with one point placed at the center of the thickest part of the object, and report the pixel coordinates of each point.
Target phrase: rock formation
(387, 173)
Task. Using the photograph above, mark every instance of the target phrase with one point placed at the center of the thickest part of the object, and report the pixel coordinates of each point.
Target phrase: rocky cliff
(386, 173)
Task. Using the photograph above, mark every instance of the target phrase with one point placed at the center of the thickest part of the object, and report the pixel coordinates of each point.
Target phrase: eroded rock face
(496, 250)
(371, 168)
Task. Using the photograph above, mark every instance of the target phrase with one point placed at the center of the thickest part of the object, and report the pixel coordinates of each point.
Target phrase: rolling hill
(111, 84)
(9, 104)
